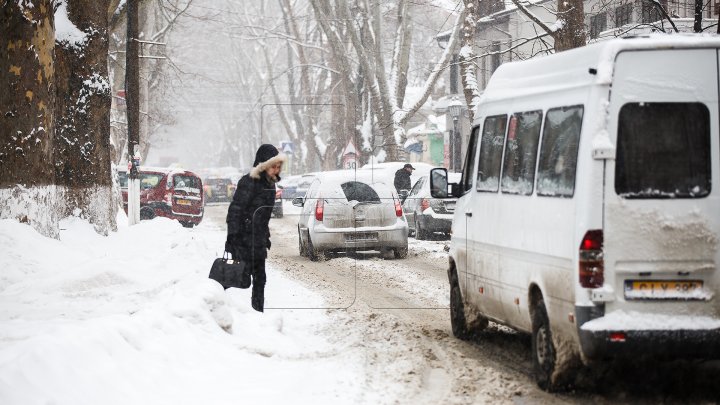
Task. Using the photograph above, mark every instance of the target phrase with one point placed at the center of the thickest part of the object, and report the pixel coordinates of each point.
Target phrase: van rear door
(662, 191)
(187, 194)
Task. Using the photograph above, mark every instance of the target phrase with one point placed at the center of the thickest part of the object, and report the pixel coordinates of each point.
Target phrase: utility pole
(132, 97)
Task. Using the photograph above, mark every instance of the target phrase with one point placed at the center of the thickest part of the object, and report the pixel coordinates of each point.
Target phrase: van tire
(457, 310)
(543, 349)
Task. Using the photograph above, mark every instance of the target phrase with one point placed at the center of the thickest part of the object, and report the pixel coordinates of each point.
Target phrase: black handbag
(230, 273)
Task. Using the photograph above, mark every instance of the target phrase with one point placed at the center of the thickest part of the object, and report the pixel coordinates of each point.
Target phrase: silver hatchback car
(342, 213)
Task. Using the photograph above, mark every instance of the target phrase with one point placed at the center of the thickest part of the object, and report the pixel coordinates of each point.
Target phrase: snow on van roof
(570, 69)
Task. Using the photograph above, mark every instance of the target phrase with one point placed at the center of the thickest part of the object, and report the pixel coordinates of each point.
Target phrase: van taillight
(398, 208)
(591, 264)
(424, 204)
(319, 209)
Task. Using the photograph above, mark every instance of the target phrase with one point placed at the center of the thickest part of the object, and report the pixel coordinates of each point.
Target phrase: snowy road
(132, 318)
(398, 311)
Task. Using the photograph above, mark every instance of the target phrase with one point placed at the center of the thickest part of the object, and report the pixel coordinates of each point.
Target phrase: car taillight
(319, 209)
(424, 204)
(278, 194)
(591, 264)
(398, 208)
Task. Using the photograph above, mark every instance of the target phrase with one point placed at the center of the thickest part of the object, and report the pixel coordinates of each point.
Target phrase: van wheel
(457, 310)
(543, 349)
(146, 213)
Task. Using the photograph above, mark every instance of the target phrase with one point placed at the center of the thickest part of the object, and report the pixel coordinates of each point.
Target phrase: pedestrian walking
(248, 232)
(402, 178)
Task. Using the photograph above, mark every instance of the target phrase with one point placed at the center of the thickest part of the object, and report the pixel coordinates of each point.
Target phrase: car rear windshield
(361, 192)
(182, 181)
(150, 180)
(663, 151)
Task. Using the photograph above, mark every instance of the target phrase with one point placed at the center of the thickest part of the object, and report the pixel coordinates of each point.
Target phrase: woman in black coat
(248, 235)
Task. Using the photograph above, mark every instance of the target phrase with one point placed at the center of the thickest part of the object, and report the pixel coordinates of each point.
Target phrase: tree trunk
(572, 33)
(82, 110)
(27, 70)
(26, 125)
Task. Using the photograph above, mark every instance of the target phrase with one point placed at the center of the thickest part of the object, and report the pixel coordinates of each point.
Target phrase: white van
(589, 207)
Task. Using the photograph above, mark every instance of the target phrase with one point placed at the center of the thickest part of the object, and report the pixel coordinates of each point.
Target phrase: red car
(171, 193)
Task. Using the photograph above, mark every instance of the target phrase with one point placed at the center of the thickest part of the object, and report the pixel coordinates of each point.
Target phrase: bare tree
(362, 22)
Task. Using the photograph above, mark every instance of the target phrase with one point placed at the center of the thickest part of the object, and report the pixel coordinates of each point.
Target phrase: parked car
(218, 189)
(596, 233)
(341, 214)
(277, 211)
(427, 215)
(304, 183)
(171, 193)
(289, 185)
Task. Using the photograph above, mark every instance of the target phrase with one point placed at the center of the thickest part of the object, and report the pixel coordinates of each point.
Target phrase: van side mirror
(298, 201)
(439, 186)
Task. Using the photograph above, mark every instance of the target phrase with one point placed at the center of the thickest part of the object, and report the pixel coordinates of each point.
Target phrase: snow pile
(132, 318)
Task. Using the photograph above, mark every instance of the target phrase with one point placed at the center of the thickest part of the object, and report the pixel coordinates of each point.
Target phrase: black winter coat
(402, 180)
(248, 217)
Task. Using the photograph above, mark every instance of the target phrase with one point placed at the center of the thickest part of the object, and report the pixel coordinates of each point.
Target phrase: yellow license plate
(664, 289)
(183, 202)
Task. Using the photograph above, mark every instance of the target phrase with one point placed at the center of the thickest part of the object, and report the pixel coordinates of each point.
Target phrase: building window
(598, 24)
(623, 15)
(495, 59)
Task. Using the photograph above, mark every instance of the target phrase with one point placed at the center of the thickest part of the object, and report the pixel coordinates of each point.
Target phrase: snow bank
(132, 318)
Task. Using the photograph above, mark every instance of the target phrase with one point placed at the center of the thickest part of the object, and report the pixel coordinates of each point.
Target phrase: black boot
(258, 297)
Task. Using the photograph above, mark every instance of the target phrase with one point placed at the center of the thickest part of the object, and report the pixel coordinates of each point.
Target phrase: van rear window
(186, 181)
(663, 151)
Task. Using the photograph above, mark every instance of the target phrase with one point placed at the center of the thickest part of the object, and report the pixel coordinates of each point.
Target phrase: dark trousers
(258, 285)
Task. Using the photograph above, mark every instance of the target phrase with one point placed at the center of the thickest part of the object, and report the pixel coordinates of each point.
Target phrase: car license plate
(360, 236)
(183, 202)
(664, 289)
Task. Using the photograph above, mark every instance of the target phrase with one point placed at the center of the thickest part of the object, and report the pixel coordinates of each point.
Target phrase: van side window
(663, 151)
(491, 148)
(469, 167)
(521, 146)
(558, 152)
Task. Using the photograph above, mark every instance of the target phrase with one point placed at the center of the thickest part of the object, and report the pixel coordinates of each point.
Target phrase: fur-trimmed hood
(263, 165)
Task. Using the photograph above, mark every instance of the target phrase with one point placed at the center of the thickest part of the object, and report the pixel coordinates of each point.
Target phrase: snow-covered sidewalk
(132, 319)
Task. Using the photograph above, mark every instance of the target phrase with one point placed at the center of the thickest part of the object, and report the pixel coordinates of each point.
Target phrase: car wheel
(401, 253)
(420, 233)
(187, 224)
(301, 247)
(543, 349)
(278, 215)
(457, 310)
(314, 254)
(146, 213)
